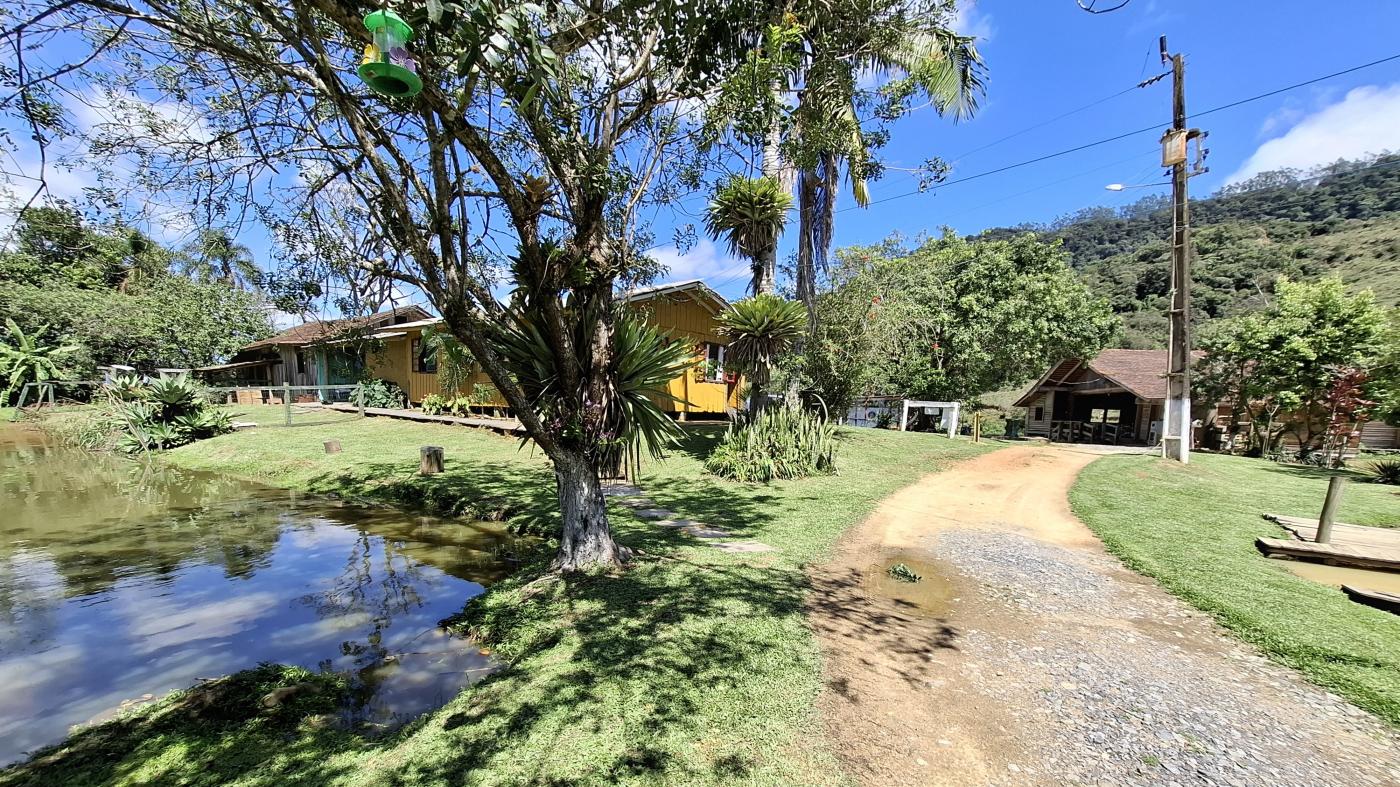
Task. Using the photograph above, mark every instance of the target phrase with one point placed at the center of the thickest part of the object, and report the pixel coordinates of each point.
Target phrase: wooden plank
(1355, 535)
(1333, 554)
(497, 424)
(1379, 599)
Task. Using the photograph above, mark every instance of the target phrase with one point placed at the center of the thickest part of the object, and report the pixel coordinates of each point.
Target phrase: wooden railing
(1091, 432)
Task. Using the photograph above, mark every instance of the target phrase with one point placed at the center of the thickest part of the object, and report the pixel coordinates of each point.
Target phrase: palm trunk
(765, 274)
(586, 540)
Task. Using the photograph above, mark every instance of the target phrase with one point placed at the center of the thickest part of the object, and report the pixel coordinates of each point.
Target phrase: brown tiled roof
(1141, 372)
(324, 330)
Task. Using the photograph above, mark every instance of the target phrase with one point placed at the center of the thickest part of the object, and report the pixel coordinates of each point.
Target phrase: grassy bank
(1193, 528)
(692, 666)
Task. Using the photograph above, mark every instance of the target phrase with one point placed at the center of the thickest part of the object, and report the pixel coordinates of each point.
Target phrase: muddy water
(1337, 576)
(930, 596)
(120, 582)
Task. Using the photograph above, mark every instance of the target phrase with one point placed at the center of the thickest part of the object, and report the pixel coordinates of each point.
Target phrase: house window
(1039, 414)
(301, 362)
(424, 359)
(714, 362)
(1102, 416)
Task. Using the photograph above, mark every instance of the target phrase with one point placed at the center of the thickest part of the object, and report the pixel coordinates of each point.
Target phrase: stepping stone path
(631, 496)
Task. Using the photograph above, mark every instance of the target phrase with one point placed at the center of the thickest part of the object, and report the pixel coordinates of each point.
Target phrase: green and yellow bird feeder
(387, 67)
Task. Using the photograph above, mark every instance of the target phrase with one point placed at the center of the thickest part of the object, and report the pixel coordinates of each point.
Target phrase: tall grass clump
(782, 442)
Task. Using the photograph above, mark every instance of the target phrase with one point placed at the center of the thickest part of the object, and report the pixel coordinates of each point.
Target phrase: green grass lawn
(1193, 528)
(692, 666)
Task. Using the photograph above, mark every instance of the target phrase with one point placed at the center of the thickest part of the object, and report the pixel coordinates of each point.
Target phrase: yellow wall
(686, 320)
(683, 318)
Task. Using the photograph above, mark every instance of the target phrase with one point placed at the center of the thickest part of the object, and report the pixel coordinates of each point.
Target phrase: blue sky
(1046, 57)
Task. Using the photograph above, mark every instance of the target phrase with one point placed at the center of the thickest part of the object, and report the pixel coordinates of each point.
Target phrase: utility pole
(1177, 432)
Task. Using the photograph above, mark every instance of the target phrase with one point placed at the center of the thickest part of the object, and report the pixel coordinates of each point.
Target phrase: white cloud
(1366, 121)
(703, 261)
(969, 21)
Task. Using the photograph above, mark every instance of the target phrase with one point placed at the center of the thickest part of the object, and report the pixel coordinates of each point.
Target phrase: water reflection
(119, 580)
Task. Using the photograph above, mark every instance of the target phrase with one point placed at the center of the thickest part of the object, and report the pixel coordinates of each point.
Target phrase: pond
(121, 581)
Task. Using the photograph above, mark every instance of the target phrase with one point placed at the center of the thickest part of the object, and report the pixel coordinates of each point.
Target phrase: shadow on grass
(674, 670)
(1314, 472)
(639, 659)
(210, 734)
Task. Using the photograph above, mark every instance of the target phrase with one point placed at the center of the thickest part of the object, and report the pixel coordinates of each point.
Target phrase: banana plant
(25, 360)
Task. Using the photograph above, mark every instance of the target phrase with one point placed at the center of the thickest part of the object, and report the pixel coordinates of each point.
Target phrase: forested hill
(1342, 220)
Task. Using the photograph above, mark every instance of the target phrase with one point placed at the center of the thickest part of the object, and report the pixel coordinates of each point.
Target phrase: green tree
(918, 59)
(24, 359)
(760, 329)
(542, 128)
(951, 319)
(749, 214)
(216, 256)
(1277, 365)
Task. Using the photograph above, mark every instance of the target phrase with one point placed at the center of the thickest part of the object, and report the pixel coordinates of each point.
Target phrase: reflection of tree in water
(77, 523)
(379, 591)
(28, 609)
(378, 594)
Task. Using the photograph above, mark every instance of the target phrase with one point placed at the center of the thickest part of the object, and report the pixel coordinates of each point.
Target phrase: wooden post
(332, 446)
(977, 426)
(430, 460)
(1329, 509)
(287, 401)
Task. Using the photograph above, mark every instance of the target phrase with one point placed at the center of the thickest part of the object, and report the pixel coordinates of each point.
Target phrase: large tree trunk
(586, 540)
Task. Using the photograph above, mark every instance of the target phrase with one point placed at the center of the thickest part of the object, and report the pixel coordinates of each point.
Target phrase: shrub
(782, 442)
(435, 404)
(1386, 471)
(379, 393)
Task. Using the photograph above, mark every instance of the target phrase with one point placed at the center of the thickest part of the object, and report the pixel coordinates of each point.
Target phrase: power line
(1044, 123)
(1124, 135)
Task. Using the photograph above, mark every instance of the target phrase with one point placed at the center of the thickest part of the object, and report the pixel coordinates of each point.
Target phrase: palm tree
(28, 361)
(750, 214)
(760, 329)
(938, 63)
(216, 256)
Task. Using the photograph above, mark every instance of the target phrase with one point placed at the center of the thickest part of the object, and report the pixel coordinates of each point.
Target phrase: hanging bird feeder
(387, 67)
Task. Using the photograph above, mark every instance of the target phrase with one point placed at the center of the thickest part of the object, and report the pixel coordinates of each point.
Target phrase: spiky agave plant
(749, 215)
(760, 329)
(628, 417)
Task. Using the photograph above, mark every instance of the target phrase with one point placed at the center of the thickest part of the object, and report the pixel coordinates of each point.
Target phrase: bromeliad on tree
(541, 131)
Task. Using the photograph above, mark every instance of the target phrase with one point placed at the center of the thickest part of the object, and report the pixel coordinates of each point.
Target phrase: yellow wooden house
(686, 311)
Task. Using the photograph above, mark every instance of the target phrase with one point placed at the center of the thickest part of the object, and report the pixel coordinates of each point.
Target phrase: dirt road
(1026, 655)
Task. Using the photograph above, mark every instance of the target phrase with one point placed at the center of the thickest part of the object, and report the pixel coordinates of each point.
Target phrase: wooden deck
(502, 425)
(1379, 599)
(1351, 545)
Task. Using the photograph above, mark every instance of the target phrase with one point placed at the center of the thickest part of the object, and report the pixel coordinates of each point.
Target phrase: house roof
(1140, 372)
(693, 288)
(324, 330)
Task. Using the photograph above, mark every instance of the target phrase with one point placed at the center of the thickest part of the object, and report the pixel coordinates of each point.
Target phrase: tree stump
(430, 460)
(332, 446)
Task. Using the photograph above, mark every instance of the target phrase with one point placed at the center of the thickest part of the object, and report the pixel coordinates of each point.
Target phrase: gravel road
(1032, 657)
